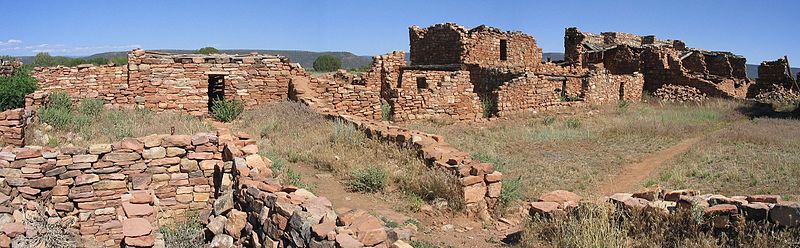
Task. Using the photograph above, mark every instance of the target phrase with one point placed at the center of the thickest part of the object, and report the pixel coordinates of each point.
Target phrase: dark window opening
(422, 83)
(503, 50)
(622, 91)
(216, 89)
(564, 89)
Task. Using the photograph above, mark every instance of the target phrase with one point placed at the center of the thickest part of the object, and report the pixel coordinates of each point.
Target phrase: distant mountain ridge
(305, 58)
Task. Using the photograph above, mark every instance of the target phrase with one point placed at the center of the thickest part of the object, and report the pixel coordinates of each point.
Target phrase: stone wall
(772, 75)
(162, 81)
(424, 94)
(604, 88)
(121, 192)
(8, 67)
(12, 127)
(719, 212)
(449, 43)
(718, 74)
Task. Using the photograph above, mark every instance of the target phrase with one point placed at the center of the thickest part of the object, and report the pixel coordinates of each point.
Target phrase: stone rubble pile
(679, 93)
(722, 211)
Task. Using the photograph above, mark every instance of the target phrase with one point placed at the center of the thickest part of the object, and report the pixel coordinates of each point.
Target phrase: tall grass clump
(432, 184)
(345, 133)
(369, 179)
(489, 105)
(186, 234)
(227, 110)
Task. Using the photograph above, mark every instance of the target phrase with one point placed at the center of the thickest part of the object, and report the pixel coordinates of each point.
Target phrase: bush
(227, 110)
(57, 112)
(386, 110)
(432, 184)
(369, 179)
(345, 133)
(511, 191)
(489, 105)
(187, 234)
(327, 63)
(573, 123)
(60, 100)
(47, 235)
(120, 60)
(207, 50)
(14, 88)
(91, 107)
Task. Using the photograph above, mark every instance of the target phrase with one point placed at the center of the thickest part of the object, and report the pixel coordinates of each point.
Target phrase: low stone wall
(679, 93)
(531, 93)
(107, 82)
(607, 88)
(721, 211)
(117, 193)
(260, 212)
(425, 94)
(12, 127)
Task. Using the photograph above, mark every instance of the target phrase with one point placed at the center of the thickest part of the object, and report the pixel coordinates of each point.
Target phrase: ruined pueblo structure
(117, 194)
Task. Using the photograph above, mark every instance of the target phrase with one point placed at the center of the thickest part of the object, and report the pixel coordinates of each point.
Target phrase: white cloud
(60, 49)
(10, 42)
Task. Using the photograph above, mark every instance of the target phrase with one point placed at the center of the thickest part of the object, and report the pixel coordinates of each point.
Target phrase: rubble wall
(8, 67)
(12, 127)
(92, 187)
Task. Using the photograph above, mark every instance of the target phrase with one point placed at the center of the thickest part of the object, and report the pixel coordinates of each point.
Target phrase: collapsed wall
(185, 82)
(8, 67)
(718, 74)
(773, 75)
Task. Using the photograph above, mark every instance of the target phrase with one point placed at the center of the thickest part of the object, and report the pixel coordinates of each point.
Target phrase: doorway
(216, 89)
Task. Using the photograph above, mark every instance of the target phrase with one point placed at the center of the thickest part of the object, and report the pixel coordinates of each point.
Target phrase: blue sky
(759, 30)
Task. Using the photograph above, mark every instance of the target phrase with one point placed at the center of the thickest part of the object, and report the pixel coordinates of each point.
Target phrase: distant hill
(305, 58)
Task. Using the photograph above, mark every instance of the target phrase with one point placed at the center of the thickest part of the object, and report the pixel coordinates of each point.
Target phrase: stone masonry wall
(161, 81)
(12, 127)
(435, 93)
(449, 43)
(604, 87)
(117, 193)
(530, 93)
(8, 67)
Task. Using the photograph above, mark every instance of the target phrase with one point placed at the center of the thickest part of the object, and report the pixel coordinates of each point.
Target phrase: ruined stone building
(185, 82)
(467, 74)
(663, 62)
(772, 75)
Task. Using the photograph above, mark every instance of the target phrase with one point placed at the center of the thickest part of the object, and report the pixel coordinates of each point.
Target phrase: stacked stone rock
(719, 74)
(679, 93)
(90, 184)
(531, 93)
(12, 127)
(445, 94)
(604, 87)
(8, 67)
(773, 76)
(722, 211)
(162, 81)
(480, 182)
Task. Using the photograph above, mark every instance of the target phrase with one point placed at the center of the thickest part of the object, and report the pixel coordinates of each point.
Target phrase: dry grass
(591, 225)
(291, 134)
(110, 126)
(761, 156)
(578, 151)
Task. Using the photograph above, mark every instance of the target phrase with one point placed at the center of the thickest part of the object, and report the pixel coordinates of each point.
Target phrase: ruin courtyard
(476, 139)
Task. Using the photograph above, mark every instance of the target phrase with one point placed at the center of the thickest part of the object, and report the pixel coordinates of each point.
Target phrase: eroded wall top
(449, 43)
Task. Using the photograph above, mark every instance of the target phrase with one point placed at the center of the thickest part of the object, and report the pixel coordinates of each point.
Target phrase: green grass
(578, 151)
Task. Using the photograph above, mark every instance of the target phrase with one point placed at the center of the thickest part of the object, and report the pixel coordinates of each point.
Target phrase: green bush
(227, 110)
(59, 118)
(511, 191)
(207, 50)
(120, 60)
(91, 107)
(14, 88)
(489, 106)
(187, 234)
(369, 179)
(573, 123)
(345, 133)
(326, 63)
(386, 110)
(60, 100)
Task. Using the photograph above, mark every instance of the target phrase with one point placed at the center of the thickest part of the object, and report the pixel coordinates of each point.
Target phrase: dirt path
(632, 175)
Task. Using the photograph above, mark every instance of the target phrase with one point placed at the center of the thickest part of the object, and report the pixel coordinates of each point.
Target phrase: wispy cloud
(19, 48)
(10, 42)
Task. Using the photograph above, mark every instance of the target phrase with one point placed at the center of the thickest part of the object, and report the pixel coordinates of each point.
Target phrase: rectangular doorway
(216, 89)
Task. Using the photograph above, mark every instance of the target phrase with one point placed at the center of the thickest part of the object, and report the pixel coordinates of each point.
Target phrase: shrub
(431, 184)
(187, 234)
(327, 63)
(369, 179)
(47, 235)
(227, 110)
(14, 88)
(59, 99)
(345, 133)
(120, 60)
(548, 120)
(269, 126)
(489, 106)
(573, 123)
(91, 107)
(207, 50)
(59, 118)
(386, 110)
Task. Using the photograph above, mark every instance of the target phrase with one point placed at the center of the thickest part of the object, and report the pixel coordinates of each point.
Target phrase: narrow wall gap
(503, 50)
(216, 89)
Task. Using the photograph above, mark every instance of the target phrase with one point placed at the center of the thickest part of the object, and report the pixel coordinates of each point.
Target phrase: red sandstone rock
(543, 208)
(764, 198)
(177, 140)
(675, 195)
(347, 241)
(560, 196)
(722, 209)
(137, 210)
(135, 227)
(141, 241)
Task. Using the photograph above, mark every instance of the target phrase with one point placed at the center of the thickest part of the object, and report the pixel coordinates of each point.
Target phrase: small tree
(326, 63)
(207, 50)
(14, 88)
(44, 59)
